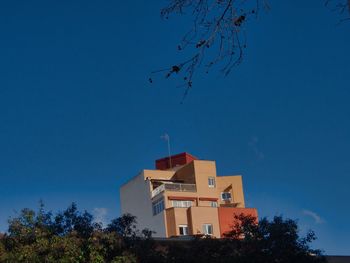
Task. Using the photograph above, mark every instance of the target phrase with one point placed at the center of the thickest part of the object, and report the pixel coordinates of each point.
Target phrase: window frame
(226, 199)
(184, 230)
(213, 204)
(181, 203)
(206, 227)
(158, 206)
(211, 179)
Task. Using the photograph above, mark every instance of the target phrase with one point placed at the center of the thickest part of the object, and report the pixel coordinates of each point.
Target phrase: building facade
(184, 196)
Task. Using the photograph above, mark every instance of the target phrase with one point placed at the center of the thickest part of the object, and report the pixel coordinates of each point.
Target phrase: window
(158, 207)
(183, 230)
(213, 204)
(211, 182)
(184, 203)
(225, 196)
(207, 229)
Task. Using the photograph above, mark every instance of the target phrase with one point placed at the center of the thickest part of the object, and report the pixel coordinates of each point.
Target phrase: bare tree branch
(217, 35)
(340, 6)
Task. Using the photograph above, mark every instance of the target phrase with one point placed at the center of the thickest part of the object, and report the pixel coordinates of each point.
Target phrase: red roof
(174, 160)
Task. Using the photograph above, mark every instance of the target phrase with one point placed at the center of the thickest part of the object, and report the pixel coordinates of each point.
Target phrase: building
(184, 196)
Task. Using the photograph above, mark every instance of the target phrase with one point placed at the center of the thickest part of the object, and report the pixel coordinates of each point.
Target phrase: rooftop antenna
(167, 138)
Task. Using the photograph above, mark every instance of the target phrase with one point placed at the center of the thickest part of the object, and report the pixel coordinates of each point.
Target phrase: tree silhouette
(340, 6)
(216, 38)
(71, 236)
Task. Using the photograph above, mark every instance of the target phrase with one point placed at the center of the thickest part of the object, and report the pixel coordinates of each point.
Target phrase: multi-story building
(184, 196)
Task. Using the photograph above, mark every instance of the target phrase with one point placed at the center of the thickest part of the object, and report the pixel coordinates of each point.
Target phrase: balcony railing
(174, 188)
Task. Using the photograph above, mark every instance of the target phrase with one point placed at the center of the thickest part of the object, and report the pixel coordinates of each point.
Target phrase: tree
(71, 236)
(139, 243)
(216, 38)
(340, 6)
(248, 241)
(272, 241)
(125, 226)
(41, 237)
(217, 32)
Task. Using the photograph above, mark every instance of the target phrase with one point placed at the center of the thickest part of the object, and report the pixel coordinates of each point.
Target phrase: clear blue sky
(78, 117)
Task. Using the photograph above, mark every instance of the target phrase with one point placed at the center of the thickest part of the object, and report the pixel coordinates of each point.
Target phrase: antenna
(167, 138)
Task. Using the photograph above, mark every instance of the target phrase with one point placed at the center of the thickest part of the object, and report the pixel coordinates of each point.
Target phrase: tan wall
(186, 173)
(168, 194)
(135, 198)
(194, 217)
(197, 216)
(206, 203)
(204, 215)
(175, 217)
(204, 170)
(158, 174)
(170, 222)
(198, 172)
(234, 185)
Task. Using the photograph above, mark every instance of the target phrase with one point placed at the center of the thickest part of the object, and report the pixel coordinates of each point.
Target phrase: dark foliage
(248, 241)
(72, 236)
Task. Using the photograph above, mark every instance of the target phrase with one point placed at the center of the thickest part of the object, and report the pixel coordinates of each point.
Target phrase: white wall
(135, 198)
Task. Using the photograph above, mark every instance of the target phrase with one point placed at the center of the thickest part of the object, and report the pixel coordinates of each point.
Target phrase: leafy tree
(71, 236)
(140, 243)
(272, 241)
(248, 241)
(125, 226)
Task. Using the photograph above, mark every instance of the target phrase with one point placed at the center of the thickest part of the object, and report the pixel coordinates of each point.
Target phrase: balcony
(174, 188)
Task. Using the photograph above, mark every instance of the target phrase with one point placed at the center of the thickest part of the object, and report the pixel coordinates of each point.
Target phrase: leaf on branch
(238, 21)
(175, 69)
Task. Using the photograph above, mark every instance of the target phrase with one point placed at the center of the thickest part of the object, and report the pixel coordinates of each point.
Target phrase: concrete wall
(135, 198)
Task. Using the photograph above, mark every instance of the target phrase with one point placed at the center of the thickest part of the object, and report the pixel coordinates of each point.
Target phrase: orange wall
(185, 173)
(176, 216)
(170, 222)
(231, 184)
(204, 215)
(227, 214)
